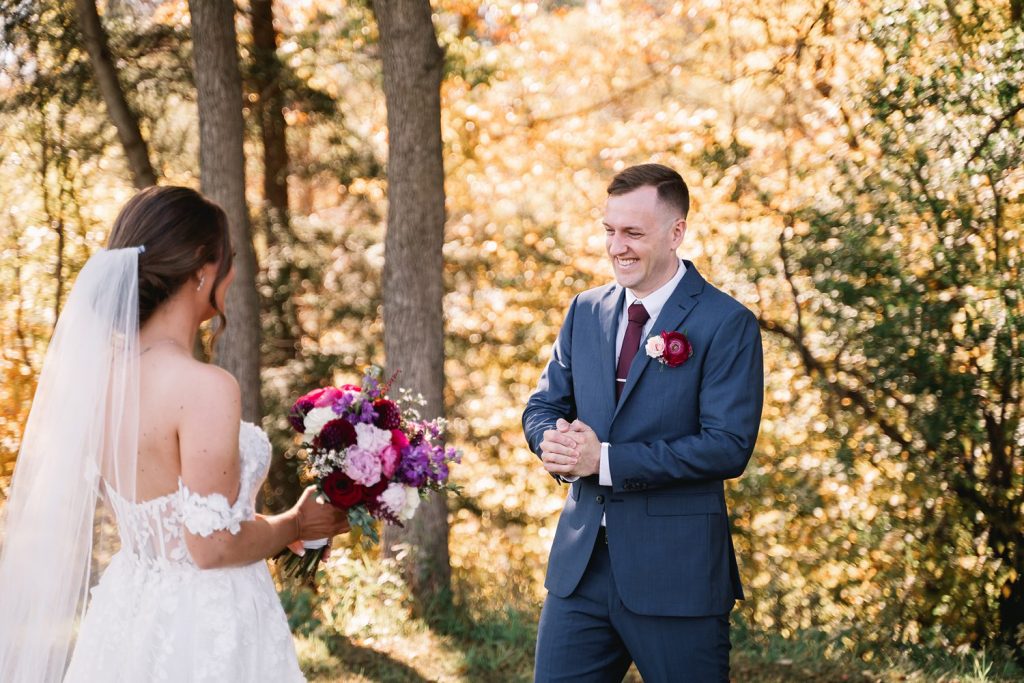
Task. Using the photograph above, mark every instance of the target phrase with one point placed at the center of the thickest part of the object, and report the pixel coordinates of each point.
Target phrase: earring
(202, 279)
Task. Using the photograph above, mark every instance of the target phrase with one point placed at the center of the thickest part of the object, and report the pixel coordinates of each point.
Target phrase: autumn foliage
(856, 182)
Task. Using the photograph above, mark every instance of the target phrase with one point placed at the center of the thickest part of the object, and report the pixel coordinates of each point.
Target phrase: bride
(126, 425)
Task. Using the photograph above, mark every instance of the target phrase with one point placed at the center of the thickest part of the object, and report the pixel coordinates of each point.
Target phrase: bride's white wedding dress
(155, 616)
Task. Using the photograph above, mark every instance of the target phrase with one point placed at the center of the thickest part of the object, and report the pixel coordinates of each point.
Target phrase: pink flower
(398, 439)
(327, 396)
(389, 458)
(363, 466)
(312, 396)
(655, 347)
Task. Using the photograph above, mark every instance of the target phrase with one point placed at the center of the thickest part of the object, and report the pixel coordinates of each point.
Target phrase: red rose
(336, 435)
(342, 491)
(677, 348)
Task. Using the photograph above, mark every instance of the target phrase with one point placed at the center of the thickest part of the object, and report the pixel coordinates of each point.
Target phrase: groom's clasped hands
(571, 450)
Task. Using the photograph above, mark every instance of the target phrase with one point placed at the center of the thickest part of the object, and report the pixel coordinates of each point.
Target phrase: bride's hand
(318, 519)
(300, 550)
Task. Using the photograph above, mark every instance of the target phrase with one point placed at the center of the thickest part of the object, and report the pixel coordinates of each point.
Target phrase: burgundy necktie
(638, 316)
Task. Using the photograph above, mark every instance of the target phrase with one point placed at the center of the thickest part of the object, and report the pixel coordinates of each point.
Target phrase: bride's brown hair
(181, 231)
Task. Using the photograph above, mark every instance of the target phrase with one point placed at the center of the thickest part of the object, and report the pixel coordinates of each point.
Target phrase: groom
(651, 400)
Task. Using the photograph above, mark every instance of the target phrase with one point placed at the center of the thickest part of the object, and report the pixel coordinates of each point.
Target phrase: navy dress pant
(590, 637)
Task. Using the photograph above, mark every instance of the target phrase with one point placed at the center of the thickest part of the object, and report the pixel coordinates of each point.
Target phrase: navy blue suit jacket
(676, 434)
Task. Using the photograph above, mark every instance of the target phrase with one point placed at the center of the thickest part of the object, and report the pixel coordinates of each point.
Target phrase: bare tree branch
(994, 128)
(121, 115)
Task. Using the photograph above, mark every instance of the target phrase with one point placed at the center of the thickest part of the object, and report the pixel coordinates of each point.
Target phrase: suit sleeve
(553, 398)
(731, 397)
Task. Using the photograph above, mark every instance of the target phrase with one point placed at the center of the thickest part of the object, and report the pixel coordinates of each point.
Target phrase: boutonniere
(669, 348)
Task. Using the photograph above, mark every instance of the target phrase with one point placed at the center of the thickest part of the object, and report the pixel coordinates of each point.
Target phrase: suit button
(600, 499)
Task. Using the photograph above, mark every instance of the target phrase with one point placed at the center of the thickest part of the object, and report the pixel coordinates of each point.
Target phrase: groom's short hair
(669, 184)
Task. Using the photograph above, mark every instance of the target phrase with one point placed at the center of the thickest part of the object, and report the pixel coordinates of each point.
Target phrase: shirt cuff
(605, 478)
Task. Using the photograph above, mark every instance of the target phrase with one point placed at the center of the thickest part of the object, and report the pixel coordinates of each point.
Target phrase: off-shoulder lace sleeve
(203, 515)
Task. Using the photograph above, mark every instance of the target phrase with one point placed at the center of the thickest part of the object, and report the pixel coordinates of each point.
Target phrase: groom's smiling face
(642, 234)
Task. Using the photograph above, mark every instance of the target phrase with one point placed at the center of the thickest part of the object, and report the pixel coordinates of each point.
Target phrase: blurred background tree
(413, 279)
(856, 181)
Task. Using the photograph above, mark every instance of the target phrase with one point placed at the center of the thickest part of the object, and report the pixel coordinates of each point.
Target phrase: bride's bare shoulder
(208, 375)
(192, 382)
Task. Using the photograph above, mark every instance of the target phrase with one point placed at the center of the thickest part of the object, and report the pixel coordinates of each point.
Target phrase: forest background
(856, 181)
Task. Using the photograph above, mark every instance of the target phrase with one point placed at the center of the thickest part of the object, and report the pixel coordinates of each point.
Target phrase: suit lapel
(608, 319)
(682, 302)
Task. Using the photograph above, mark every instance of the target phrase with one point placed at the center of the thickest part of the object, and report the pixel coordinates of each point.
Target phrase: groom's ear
(678, 231)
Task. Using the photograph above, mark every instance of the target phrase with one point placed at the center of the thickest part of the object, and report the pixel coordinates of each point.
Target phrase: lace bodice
(153, 531)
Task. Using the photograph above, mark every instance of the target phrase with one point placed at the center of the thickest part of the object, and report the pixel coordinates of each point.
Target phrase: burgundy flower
(371, 494)
(342, 491)
(677, 349)
(336, 435)
(297, 415)
(388, 414)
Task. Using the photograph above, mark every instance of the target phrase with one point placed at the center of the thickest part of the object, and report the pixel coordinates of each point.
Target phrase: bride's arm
(208, 443)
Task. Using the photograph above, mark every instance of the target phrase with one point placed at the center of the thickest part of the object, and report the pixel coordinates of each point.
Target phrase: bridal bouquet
(367, 455)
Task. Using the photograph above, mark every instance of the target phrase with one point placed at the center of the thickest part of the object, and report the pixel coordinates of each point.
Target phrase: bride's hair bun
(181, 231)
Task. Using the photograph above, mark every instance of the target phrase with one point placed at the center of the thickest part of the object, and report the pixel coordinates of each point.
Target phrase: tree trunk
(281, 335)
(413, 259)
(222, 167)
(283, 332)
(121, 114)
(270, 104)
(1011, 611)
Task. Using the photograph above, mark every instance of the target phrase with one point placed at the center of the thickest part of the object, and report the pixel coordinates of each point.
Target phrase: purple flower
(344, 402)
(366, 412)
(438, 464)
(371, 387)
(415, 468)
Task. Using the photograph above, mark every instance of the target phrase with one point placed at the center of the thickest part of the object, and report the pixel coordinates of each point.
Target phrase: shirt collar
(656, 300)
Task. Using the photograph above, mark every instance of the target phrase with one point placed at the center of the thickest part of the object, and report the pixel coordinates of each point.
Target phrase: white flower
(315, 421)
(412, 501)
(401, 500)
(393, 498)
(655, 347)
(371, 438)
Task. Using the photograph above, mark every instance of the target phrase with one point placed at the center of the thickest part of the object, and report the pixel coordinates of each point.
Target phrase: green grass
(361, 628)
(814, 655)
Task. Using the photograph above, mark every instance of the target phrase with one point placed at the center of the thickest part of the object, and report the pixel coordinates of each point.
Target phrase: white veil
(82, 433)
